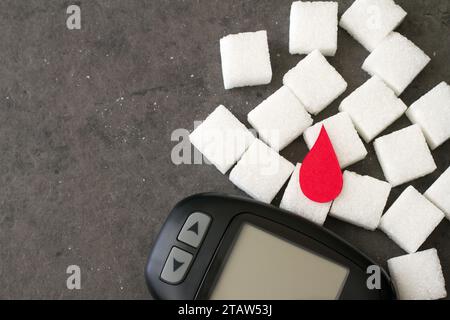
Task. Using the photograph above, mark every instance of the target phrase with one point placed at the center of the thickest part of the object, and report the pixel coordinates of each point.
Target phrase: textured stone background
(86, 119)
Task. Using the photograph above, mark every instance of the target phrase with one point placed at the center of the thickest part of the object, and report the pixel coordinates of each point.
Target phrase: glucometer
(223, 247)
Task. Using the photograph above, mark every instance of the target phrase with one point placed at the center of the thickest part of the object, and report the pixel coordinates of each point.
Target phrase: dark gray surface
(86, 119)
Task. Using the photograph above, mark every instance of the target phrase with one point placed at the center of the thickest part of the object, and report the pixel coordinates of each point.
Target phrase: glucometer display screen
(261, 265)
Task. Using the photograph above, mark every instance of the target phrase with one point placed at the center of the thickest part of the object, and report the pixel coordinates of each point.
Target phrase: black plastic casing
(228, 214)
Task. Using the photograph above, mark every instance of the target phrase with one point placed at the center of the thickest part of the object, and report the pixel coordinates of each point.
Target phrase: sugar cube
(432, 113)
(296, 202)
(280, 119)
(370, 21)
(313, 25)
(373, 107)
(222, 139)
(315, 82)
(346, 143)
(261, 172)
(439, 193)
(411, 220)
(418, 276)
(404, 155)
(361, 201)
(245, 59)
(397, 61)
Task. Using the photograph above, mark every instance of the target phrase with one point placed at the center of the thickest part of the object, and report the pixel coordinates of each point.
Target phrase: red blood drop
(320, 174)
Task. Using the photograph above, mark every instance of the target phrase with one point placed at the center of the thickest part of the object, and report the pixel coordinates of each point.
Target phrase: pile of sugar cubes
(393, 63)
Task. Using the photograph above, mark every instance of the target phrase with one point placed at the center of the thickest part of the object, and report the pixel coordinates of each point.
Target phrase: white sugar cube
(296, 202)
(404, 155)
(245, 59)
(397, 61)
(373, 107)
(346, 143)
(261, 172)
(439, 193)
(432, 113)
(361, 201)
(280, 119)
(411, 220)
(222, 139)
(418, 276)
(370, 21)
(313, 25)
(315, 82)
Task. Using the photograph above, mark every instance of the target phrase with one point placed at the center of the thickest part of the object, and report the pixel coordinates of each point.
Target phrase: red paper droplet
(320, 173)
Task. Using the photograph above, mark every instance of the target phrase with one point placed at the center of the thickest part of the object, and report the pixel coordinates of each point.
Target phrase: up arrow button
(194, 229)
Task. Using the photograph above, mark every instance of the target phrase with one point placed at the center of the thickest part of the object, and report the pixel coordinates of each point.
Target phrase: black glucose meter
(228, 248)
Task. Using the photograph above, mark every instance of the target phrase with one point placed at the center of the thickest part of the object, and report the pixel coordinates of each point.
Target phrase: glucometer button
(194, 229)
(176, 266)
